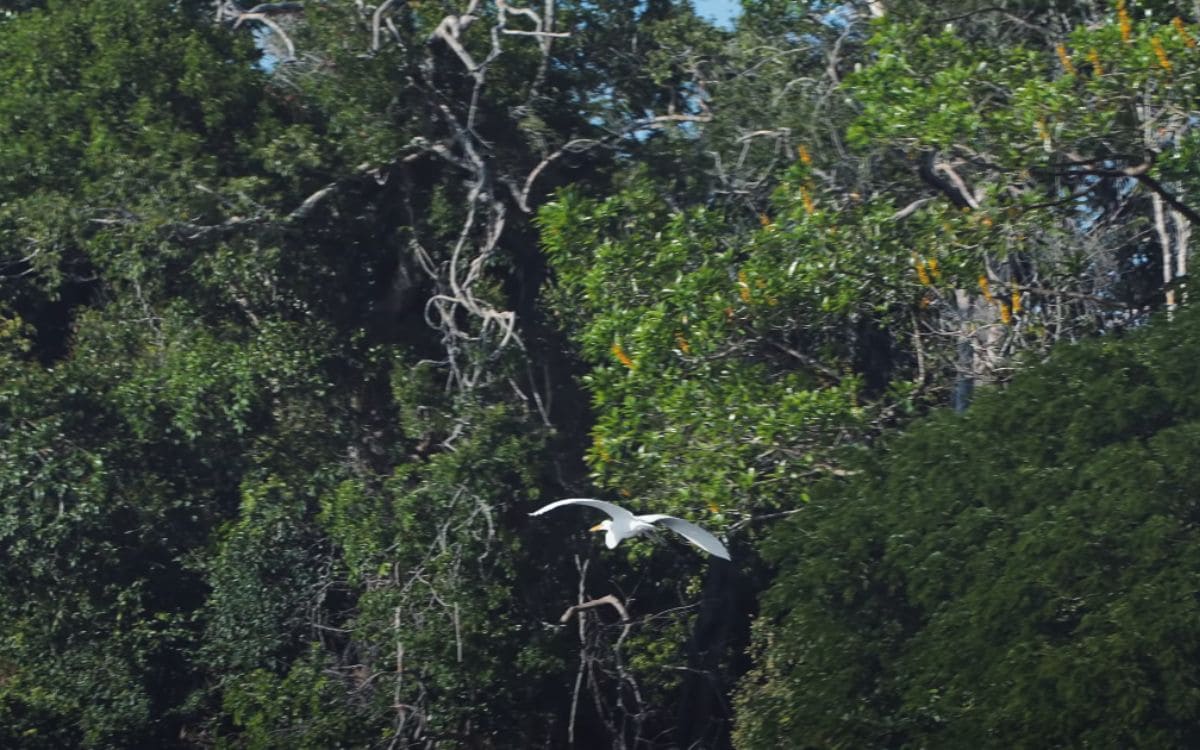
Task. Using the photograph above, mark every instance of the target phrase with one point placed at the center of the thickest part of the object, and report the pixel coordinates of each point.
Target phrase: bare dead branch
(1169, 198)
(806, 360)
(375, 23)
(301, 212)
(579, 145)
(277, 8)
(521, 32)
(262, 13)
(1139, 171)
(1024, 23)
(910, 209)
(609, 600)
(582, 568)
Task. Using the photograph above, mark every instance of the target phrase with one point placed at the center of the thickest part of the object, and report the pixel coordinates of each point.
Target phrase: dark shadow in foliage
(1021, 575)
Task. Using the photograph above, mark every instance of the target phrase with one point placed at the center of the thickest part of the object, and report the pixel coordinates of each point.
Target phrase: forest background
(305, 305)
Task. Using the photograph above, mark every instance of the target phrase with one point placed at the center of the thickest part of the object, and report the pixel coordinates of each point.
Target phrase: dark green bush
(1026, 574)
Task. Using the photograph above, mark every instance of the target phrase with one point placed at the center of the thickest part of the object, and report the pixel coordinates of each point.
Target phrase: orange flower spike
(922, 273)
(1005, 314)
(805, 157)
(1124, 22)
(983, 287)
(1164, 62)
(1184, 34)
(622, 356)
(1094, 59)
(682, 342)
(1061, 50)
(764, 220)
(1016, 301)
(809, 206)
(743, 286)
(934, 271)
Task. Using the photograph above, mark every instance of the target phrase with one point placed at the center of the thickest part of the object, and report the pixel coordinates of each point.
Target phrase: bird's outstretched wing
(691, 532)
(617, 512)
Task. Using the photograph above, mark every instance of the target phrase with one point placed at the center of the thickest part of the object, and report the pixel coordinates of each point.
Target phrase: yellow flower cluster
(806, 196)
(923, 275)
(805, 157)
(1184, 34)
(1124, 21)
(1064, 58)
(682, 342)
(1009, 307)
(1043, 130)
(1094, 59)
(983, 287)
(743, 286)
(1164, 62)
(927, 270)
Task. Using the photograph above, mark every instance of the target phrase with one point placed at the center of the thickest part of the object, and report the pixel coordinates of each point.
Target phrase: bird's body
(624, 525)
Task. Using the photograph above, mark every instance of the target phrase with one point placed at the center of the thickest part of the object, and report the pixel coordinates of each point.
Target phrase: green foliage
(264, 583)
(101, 520)
(1017, 576)
(688, 327)
(267, 445)
(434, 550)
(305, 708)
(1017, 102)
(1042, 133)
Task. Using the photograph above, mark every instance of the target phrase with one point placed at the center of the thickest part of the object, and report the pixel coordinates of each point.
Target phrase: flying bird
(624, 525)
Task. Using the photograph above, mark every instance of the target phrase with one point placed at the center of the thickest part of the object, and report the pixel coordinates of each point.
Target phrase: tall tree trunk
(1183, 236)
(964, 380)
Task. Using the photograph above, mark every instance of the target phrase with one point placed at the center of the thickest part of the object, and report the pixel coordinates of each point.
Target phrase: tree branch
(608, 600)
(1140, 172)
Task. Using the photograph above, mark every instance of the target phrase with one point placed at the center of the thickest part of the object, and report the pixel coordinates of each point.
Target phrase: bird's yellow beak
(597, 527)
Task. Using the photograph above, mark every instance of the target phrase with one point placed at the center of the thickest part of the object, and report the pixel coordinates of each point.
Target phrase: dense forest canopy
(304, 306)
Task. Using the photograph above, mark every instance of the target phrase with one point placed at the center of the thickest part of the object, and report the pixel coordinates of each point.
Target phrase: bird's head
(602, 526)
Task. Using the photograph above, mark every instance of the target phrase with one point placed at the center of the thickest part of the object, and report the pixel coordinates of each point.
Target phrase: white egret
(624, 525)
